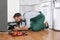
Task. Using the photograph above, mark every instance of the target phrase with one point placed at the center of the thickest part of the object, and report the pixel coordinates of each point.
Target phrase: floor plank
(41, 35)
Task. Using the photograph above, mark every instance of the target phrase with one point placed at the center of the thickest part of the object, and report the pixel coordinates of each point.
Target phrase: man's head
(17, 17)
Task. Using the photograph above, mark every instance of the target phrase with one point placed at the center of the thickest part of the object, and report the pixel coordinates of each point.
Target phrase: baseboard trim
(54, 29)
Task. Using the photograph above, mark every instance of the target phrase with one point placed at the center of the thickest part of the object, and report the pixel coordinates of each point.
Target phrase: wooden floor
(41, 35)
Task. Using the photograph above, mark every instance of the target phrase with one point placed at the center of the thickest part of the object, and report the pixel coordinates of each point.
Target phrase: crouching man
(34, 21)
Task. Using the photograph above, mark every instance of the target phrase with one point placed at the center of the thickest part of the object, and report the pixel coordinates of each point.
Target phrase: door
(3, 15)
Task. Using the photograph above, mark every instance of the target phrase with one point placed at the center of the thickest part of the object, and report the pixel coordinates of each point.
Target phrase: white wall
(57, 16)
(27, 5)
(12, 8)
(29, 2)
(25, 8)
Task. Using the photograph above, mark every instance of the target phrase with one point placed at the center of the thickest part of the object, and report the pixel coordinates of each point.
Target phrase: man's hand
(16, 28)
(25, 28)
(21, 28)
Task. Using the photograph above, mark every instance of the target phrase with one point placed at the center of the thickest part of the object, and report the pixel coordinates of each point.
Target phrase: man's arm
(27, 17)
(27, 24)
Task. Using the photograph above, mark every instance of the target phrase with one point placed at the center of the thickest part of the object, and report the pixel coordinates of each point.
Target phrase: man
(34, 21)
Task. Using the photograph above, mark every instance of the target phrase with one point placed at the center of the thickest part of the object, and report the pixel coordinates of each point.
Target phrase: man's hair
(16, 15)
